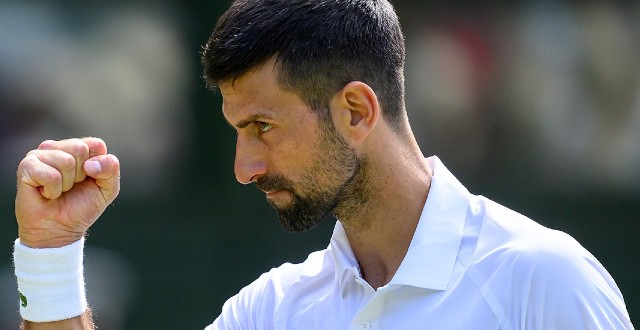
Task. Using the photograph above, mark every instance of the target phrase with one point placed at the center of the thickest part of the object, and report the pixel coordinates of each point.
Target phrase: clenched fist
(63, 187)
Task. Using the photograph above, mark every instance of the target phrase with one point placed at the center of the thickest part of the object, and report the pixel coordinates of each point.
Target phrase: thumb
(105, 169)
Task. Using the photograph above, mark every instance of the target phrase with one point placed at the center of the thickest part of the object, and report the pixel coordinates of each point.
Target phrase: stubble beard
(334, 181)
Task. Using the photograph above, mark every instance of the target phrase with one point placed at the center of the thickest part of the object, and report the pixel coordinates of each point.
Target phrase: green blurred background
(533, 104)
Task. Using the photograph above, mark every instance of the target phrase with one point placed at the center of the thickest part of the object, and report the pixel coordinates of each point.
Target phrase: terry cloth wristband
(50, 282)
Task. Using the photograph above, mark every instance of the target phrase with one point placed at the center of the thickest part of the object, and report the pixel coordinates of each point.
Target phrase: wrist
(47, 238)
(50, 281)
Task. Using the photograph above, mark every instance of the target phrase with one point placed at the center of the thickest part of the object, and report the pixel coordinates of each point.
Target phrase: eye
(263, 127)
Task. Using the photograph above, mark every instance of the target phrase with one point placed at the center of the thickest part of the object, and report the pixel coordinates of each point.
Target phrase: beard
(335, 178)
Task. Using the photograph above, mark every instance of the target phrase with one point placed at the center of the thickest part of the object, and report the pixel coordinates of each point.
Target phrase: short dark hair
(320, 46)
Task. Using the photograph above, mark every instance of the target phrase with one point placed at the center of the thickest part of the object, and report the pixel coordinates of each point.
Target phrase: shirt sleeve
(567, 288)
(251, 308)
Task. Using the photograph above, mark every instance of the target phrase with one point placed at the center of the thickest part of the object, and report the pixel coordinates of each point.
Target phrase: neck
(392, 193)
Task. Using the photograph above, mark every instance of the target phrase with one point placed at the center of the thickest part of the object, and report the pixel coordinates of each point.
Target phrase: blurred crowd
(118, 72)
(547, 86)
(540, 93)
(551, 86)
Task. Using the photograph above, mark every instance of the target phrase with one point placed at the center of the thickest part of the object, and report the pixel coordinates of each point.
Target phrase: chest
(400, 308)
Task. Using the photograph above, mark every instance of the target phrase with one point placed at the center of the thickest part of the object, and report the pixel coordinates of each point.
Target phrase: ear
(355, 111)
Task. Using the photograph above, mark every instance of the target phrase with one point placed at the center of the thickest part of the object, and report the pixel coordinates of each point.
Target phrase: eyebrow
(252, 118)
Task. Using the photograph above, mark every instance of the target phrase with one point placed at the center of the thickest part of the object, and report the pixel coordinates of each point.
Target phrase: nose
(250, 161)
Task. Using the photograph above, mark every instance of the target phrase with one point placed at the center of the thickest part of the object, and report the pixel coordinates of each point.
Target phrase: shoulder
(258, 303)
(508, 236)
(543, 278)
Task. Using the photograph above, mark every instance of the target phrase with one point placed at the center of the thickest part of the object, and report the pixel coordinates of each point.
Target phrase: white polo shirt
(472, 264)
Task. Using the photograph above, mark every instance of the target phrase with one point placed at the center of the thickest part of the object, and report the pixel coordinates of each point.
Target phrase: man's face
(302, 164)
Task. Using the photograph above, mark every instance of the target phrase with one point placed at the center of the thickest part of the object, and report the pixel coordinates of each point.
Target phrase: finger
(60, 160)
(96, 146)
(37, 174)
(105, 169)
(77, 148)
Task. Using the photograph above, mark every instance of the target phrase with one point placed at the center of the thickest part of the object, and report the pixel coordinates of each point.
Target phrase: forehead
(258, 92)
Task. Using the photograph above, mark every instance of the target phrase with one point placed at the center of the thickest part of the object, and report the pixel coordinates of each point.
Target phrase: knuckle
(95, 139)
(96, 146)
(66, 161)
(47, 144)
(31, 153)
(25, 163)
(79, 149)
(50, 177)
(29, 161)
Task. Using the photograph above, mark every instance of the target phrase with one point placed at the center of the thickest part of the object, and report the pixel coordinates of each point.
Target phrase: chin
(299, 222)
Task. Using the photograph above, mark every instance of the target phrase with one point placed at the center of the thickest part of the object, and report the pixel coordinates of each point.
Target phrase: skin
(60, 195)
(62, 189)
(82, 322)
(303, 186)
(380, 226)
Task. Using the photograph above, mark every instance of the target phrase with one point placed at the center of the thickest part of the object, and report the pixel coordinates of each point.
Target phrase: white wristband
(50, 282)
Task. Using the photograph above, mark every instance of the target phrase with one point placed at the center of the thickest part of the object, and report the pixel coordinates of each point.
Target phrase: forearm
(82, 322)
(62, 188)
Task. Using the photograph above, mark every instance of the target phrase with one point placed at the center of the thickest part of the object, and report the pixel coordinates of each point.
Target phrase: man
(314, 89)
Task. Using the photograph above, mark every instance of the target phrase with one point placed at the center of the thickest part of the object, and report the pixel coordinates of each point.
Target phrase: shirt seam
(478, 280)
(488, 297)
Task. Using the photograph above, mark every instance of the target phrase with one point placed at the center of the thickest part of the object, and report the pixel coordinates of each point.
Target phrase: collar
(434, 247)
(343, 257)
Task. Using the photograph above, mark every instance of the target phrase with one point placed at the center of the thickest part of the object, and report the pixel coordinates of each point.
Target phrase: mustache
(277, 182)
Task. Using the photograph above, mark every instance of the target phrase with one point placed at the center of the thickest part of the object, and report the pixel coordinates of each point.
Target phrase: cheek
(295, 156)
